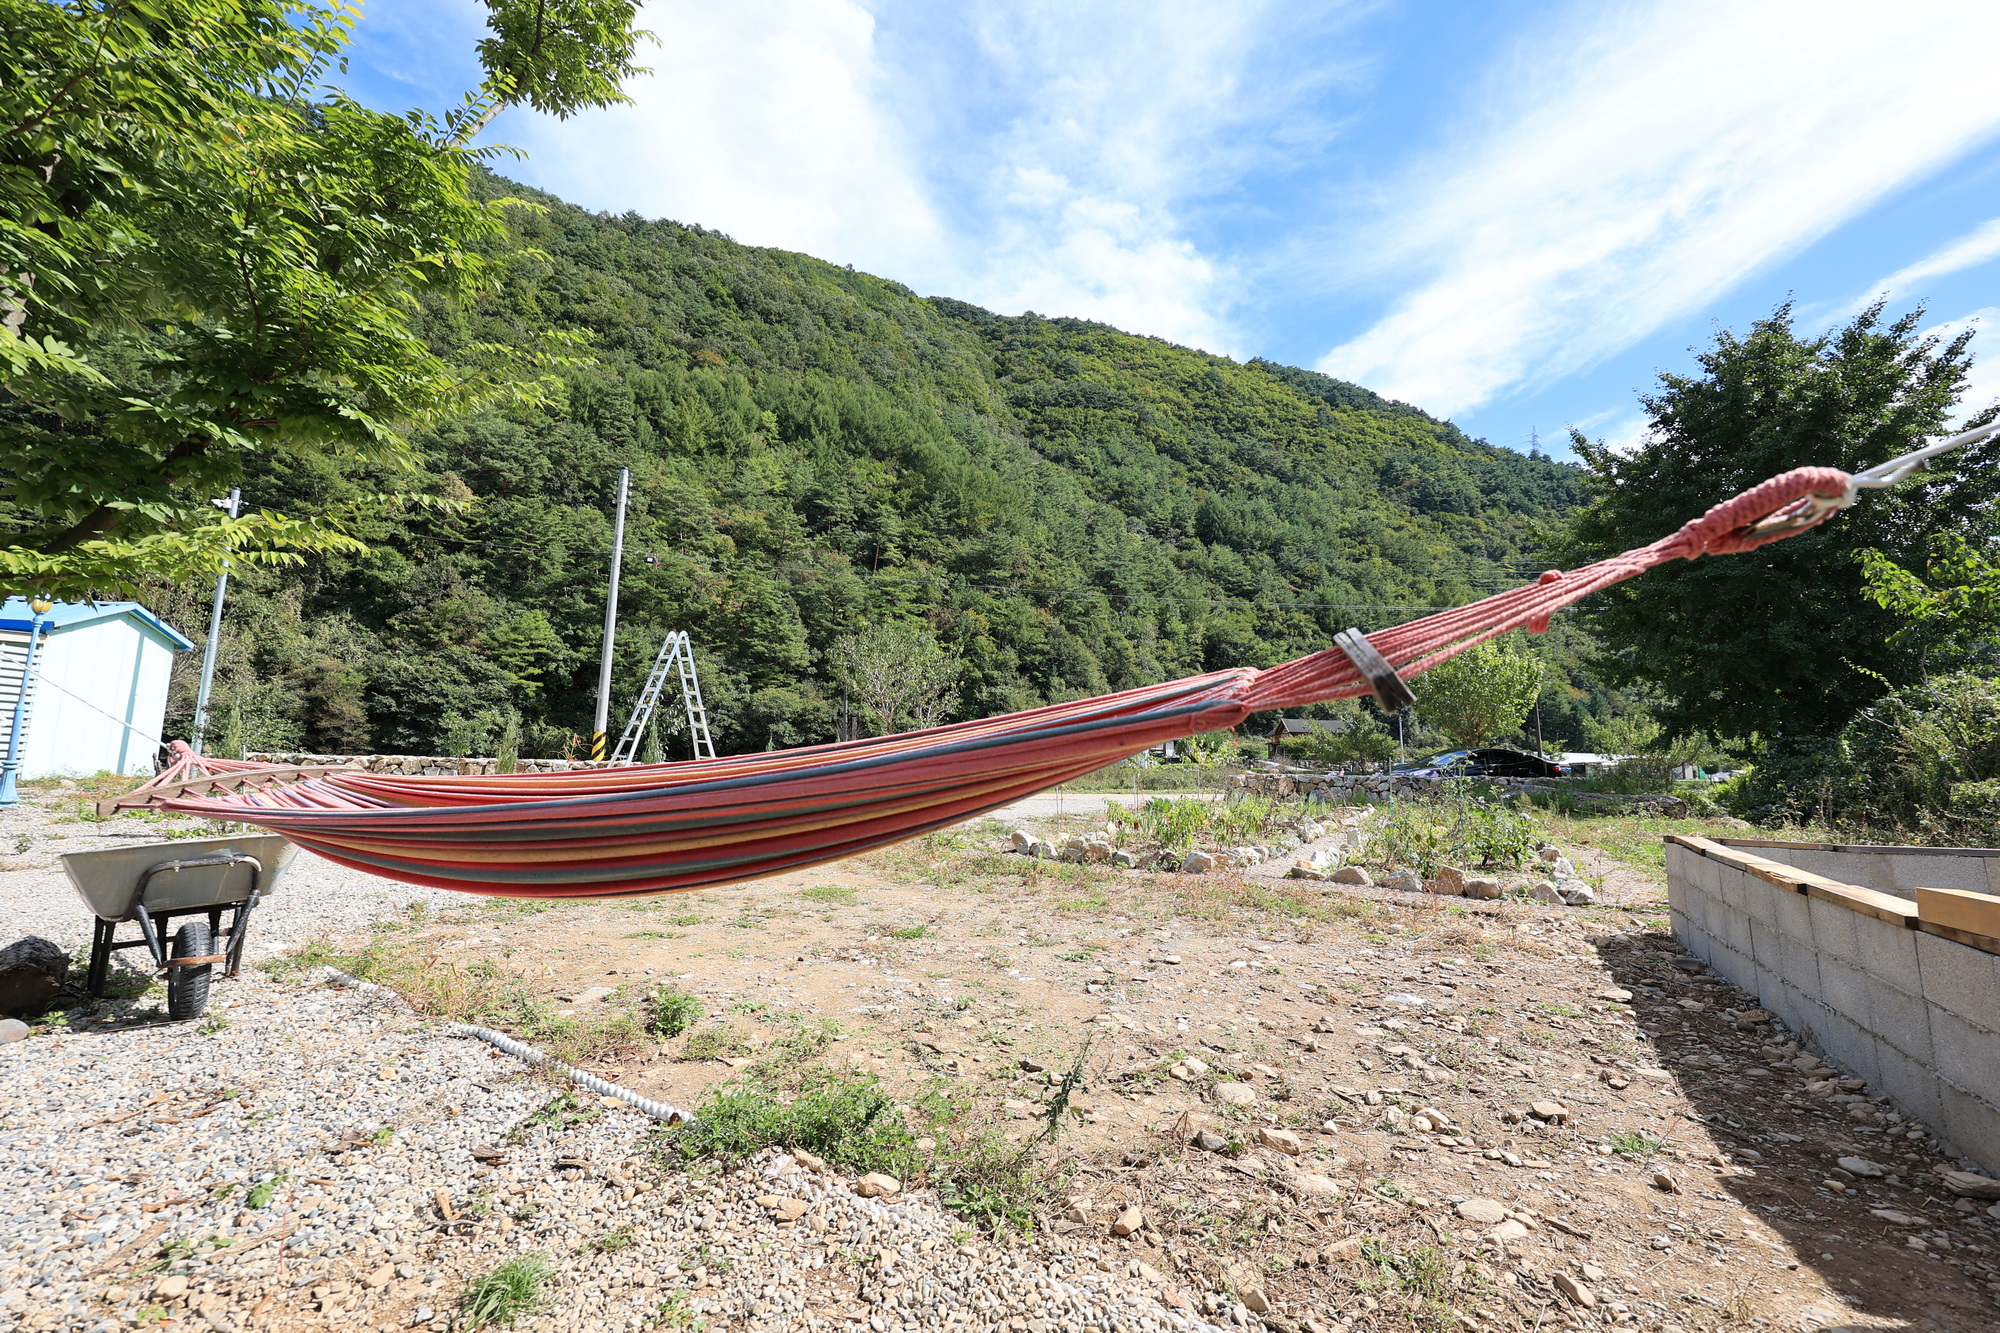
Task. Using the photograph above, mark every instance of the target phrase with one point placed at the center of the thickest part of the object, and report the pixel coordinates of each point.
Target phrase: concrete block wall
(1897, 870)
(1854, 970)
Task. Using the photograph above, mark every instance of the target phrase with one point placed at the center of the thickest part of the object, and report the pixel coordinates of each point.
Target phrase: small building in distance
(99, 696)
(1289, 727)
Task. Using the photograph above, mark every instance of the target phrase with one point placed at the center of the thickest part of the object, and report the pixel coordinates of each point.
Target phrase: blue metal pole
(10, 790)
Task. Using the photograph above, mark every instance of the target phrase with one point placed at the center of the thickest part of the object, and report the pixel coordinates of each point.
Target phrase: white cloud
(761, 119)
(1668, 152)
(1025, 155)
(1982, 386)
(1979, 246)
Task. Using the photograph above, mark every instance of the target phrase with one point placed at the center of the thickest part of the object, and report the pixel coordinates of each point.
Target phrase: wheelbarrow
(154, 883)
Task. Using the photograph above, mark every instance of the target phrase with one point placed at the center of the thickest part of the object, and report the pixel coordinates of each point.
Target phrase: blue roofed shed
(99, 696)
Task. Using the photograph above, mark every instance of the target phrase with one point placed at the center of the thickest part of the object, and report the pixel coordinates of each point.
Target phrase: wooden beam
(217, 784)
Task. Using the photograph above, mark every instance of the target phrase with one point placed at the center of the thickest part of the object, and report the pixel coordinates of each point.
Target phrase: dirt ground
(1683, 1179)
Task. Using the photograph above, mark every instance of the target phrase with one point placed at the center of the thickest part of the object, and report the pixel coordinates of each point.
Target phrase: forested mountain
(1068, 508)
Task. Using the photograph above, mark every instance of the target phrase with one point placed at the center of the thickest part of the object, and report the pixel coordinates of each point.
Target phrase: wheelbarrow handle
(153, 940)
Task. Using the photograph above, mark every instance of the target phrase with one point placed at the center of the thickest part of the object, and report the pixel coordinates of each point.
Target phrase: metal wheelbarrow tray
(154, 882)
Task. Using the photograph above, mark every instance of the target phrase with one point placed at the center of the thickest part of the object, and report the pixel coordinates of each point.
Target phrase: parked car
(1482, 763)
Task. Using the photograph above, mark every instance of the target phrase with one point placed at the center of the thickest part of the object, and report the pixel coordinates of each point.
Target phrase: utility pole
(1538, 728)
(597, 736)
(214, 632)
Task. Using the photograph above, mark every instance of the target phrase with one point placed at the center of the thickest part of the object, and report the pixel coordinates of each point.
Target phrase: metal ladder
(676, 654)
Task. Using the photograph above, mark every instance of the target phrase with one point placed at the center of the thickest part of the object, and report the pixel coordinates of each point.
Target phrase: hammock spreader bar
(666, 827)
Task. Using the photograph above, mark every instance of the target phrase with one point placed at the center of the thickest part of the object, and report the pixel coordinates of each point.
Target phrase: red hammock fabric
(665, 827)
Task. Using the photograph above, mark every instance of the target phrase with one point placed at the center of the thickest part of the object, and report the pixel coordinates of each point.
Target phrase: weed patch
(841, 894)
(670, 1012)
(482, 993)
(508, 1292)
(850, 1121)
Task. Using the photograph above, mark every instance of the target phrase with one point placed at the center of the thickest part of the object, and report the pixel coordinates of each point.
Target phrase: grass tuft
(511, 1290)
(481, 992)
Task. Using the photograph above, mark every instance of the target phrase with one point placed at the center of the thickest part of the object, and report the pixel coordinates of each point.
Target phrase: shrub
(670, 1012)
(1922, 764)
(1459, 826)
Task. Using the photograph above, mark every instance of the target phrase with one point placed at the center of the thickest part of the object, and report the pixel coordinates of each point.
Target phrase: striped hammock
(665, 827)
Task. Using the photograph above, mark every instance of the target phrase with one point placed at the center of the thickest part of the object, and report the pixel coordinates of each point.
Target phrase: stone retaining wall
(1335, 788)
(1899, 983)
(429, 765)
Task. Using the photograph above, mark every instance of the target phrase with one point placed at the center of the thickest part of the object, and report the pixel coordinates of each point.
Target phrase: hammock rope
(659, 828)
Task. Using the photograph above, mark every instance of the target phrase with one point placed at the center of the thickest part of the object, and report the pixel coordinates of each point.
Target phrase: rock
(1449, 882)
(1210, 1141)
(1753, 1017)
(1408, 998)
(1481, 886)
(11, 1030)
(1615, 994)
(1352, 875)
(1197, 862)
(808, 1161)
(1246, 856)
(1280, 1140)
(790, 1210)
(1577, 893)
(1403, 881)
(1254, 1300)
(1129, 1221)
(1312, 1185)
(1022, 841)
(1071, 855)
(1576, 1291)
(1303, 871)
(1484, 1212)
(1342, 1251)
(170, 1288)
(32, 971)
(1509, 1230)
(595, 994)
(875, 1185)
(1124, 860)
(1097, 851)
(1078, 1211)
(1195, 1068)
(1861, 1166)
(1665, 1183)
(1555, 1113)
(1896, 1218)
(1235, 1094)
(1970, 1184)
(1544, 892)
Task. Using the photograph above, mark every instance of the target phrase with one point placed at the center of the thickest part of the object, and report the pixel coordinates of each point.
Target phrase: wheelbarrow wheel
(187, 987)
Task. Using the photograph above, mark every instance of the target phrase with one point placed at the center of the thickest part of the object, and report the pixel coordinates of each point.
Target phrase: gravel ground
(310, 1156)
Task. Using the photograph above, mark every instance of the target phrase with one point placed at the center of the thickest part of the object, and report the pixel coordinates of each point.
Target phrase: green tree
(898, 675)
(215, 257)
(1784, 640)
(1951, 615)
(1482, 693)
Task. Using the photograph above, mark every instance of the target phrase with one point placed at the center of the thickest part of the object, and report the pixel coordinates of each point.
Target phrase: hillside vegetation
(1067, 508)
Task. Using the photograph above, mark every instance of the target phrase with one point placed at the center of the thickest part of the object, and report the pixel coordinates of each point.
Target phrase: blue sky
(1513, 213)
